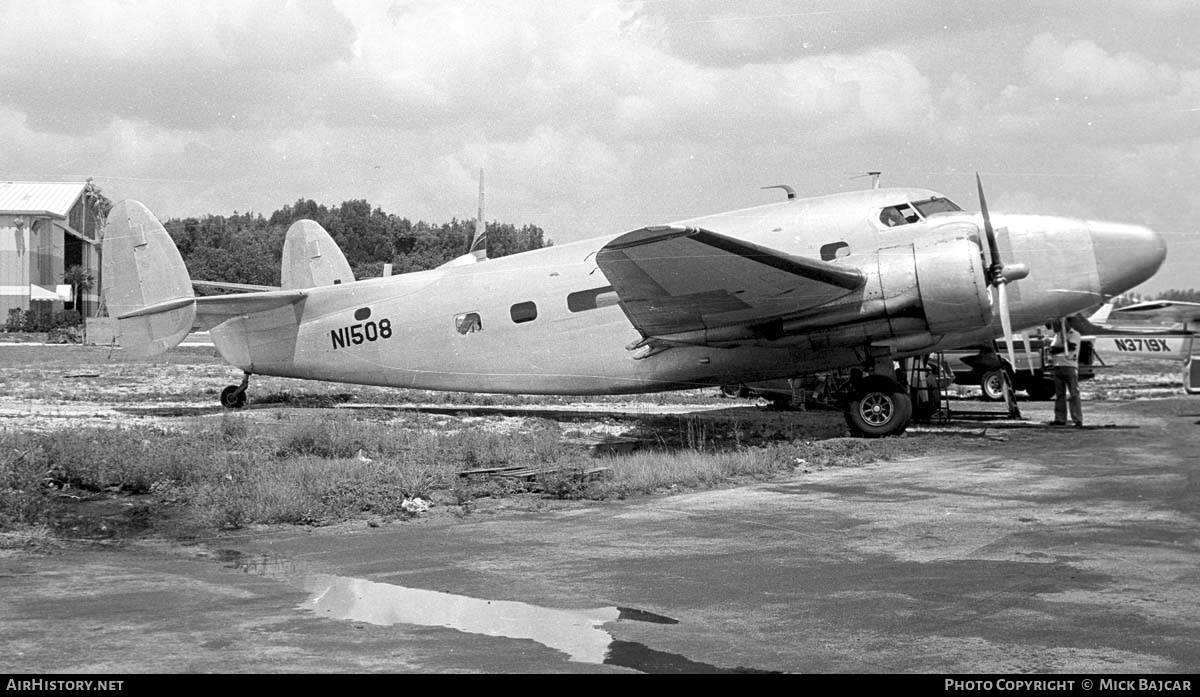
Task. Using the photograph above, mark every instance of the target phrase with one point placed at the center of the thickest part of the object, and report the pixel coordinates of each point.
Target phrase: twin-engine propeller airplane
(782, 290)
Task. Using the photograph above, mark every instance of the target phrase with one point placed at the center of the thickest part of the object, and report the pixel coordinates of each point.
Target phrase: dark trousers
(1066, 379)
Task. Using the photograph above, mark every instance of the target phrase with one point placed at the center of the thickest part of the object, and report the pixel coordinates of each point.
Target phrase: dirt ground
(1011, 548)
(54, 386)
(49, 387)
(992, 545)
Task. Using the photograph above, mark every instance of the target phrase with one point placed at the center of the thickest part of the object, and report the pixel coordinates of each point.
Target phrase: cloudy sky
(598, 116)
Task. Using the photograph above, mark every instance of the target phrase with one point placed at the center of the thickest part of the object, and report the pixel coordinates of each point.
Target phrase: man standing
(1064, 359)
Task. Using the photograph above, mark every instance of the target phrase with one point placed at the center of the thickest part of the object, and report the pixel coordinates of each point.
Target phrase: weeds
(232, 471)
(24, 485)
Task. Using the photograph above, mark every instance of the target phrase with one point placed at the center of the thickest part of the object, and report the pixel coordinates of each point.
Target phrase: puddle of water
(576, 633)
(579, 634)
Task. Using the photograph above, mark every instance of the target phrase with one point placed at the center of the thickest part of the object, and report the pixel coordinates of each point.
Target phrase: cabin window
(833, 250)
(523, 312)
(592, 299)
(468, 323)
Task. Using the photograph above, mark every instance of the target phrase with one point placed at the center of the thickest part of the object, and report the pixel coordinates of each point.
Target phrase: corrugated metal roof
(39, 197)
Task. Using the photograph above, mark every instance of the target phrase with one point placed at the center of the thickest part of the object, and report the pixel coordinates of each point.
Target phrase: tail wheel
(233, 397)
(879, 408)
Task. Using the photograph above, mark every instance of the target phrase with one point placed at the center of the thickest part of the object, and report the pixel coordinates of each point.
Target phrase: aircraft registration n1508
(851, 280)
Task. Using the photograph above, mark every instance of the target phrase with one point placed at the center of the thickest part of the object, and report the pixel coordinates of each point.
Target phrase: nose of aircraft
(1126, 255)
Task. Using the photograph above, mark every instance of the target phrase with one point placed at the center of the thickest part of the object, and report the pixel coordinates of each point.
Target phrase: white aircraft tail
(1100, 317)
(311, 258)
(146, 285)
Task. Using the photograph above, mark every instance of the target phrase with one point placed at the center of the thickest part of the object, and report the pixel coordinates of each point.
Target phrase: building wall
(32, 250)
(46, 265)
(15, 257)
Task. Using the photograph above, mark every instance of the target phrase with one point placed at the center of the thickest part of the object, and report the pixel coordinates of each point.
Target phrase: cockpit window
(906, 214)
(936, 204)
(900, 214)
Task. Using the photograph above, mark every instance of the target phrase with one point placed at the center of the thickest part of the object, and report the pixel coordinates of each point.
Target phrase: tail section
(311, 258)
(146, 285)
(1100, 317)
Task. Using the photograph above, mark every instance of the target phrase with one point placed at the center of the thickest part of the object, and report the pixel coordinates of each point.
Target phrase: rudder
(311, 258)
(142, 269)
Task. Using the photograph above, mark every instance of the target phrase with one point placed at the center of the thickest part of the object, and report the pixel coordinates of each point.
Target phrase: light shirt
(1069, 356)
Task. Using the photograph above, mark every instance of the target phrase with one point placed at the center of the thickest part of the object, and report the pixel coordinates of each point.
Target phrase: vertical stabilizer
(1100, 317)
(311, 258)
(142, 269)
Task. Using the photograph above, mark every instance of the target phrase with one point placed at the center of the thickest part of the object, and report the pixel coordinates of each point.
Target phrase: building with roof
(46, 228)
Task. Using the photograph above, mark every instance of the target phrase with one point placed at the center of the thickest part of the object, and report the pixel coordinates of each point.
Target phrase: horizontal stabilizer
(218, 308)
(215, 309)
(239, 287)
(673, 279)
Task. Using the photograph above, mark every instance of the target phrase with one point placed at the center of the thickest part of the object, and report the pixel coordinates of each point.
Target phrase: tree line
(247, 247)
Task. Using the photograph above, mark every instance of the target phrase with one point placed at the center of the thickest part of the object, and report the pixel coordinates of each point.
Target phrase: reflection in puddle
(577, 633)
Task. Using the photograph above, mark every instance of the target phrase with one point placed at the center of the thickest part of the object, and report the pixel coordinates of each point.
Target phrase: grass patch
(706, 466)
(233, 471)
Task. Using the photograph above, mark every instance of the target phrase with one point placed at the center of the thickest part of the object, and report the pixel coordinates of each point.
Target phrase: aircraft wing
(673, 279)
(1174, 310)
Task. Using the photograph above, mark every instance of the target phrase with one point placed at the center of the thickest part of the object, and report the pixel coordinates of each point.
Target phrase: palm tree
(81, 282)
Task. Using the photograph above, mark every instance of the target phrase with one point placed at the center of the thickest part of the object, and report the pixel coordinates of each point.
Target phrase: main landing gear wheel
(879, 408)
(234, 396)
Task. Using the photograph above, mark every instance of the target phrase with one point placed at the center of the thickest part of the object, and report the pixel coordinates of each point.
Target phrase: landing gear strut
(234, 396)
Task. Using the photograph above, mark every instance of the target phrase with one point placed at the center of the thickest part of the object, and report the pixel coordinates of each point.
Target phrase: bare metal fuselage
(408, 330)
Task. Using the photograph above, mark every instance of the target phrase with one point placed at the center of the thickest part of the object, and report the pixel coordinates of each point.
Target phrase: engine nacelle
(943, 282)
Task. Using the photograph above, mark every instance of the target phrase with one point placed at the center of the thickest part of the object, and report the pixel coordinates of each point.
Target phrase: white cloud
(1082, 68)
(589, 115)
(74, 65)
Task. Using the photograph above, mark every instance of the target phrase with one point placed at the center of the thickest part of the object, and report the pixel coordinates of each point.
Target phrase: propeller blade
(1010, 398)
(1006, 323)
(993, 248)
(479, 239)
(998, 277)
